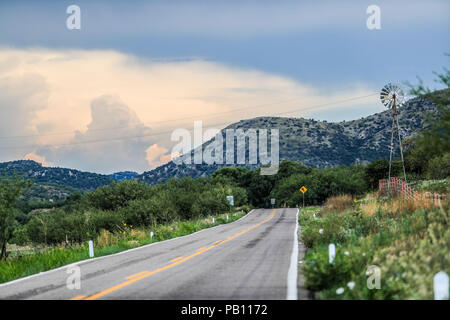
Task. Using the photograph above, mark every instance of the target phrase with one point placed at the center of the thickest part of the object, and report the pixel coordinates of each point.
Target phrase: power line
(186, 118)
(170, 131)
(149, 123)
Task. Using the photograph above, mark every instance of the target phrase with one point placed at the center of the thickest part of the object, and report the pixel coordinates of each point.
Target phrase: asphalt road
(252, 258)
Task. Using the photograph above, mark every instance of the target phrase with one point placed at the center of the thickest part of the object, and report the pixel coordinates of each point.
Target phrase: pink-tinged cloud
(157, 156)
(38, 159)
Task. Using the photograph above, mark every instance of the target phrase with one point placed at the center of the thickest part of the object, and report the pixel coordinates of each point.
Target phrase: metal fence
(399, 186)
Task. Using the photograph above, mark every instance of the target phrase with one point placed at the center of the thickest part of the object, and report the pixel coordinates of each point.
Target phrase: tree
(117, 194)
(234, 175)
(10, 191)
(431, 146)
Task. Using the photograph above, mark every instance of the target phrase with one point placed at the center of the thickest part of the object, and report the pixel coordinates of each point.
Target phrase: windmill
(393, 96)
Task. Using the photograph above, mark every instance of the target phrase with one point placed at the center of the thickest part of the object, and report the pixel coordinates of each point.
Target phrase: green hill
(52, 184)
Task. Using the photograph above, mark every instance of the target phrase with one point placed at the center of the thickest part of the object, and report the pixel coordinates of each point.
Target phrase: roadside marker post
(440, 284)
(213, 220)
(227, 217)
(91, 249)
(272, 202)
(331, 252)
(151, 235)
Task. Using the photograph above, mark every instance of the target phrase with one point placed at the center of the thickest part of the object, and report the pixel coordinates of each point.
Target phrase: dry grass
(370, 206)
(106, 238)
(399, 204)
(138, 234)
(339, 203)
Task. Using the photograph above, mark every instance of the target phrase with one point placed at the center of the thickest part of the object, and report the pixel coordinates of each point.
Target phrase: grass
(28, 260)
(339, 203)
(408, 241)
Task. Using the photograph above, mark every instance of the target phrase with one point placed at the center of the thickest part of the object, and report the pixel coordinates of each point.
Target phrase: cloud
(157, 156)
(116, 140)
(21, 97)
(38, 159)
(63, 100)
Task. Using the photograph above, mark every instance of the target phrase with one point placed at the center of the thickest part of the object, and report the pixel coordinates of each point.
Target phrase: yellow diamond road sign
(303, 189)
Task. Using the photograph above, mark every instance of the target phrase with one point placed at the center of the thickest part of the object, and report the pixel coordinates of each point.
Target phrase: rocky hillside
(125, 175)
(319, 144)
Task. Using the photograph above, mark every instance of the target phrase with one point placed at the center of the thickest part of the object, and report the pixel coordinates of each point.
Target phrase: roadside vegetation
(408, 240)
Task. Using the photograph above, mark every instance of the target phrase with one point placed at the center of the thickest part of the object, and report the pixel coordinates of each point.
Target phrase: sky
(106, 97)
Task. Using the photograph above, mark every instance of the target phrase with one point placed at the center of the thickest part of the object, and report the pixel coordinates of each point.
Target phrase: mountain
(317, 144)
(124, 175)
(57, 176)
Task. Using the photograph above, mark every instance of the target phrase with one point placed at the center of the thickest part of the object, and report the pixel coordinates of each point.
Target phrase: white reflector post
(91, 249)
(440, 284)
(331, 252)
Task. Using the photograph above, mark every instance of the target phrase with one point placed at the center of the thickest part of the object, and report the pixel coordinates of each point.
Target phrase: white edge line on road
(292, 273)
(116, 254)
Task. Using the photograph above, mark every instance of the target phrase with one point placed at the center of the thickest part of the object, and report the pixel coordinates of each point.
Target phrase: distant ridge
(62, 176)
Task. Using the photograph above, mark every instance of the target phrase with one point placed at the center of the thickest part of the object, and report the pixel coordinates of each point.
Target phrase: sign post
(303, 190)
(272, 202)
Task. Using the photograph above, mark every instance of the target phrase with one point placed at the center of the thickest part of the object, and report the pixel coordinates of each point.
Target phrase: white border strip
(292, 273)
(118, 253)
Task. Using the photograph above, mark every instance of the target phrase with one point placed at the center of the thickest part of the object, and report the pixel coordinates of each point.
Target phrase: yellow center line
(136, 275)
(201, 249)
(176, 259)
(78, 298)
(145, 274)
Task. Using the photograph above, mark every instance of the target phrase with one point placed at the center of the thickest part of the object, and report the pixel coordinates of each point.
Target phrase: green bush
(438, 167)
(321, 274)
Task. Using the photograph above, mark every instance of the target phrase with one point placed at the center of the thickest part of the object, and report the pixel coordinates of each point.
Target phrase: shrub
(321, 274)
(438, 167)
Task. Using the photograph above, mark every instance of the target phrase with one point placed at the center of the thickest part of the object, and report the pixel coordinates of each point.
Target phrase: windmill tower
(392, 96)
